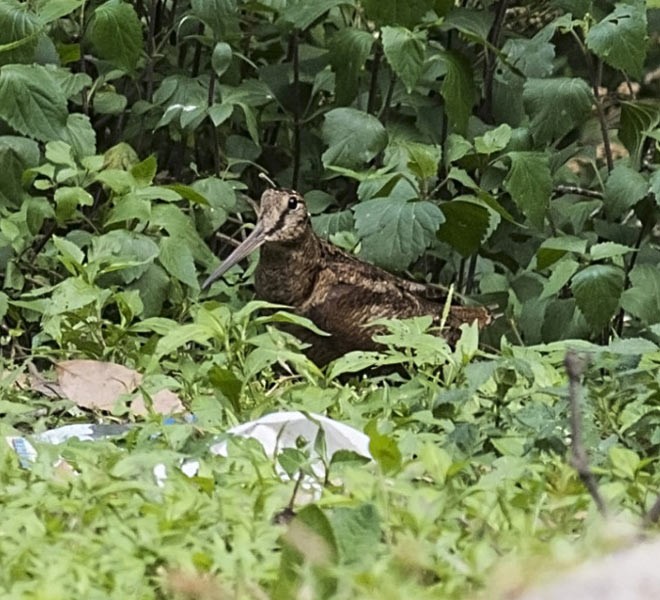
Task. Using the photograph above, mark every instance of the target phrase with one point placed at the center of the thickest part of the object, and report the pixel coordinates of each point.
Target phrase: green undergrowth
(470, 481)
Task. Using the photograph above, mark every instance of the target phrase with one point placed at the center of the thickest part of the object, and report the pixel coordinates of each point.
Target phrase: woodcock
(337, 291)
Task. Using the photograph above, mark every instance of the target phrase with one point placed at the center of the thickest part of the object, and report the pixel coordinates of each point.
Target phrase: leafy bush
(509, 149)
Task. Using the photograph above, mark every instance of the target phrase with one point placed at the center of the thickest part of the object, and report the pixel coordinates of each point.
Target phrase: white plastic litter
(274, 432)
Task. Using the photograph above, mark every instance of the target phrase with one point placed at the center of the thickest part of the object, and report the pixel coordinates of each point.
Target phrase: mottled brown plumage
(337, 291)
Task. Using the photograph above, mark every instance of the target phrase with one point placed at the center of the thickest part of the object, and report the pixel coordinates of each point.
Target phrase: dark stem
(214, 129)
(654, 513)
(596, 80)
(151, 45)
(373, 85)
(577, 191)
(197, 57)
(295, 57)
(491, 60)
(472, 267)
(575, 366)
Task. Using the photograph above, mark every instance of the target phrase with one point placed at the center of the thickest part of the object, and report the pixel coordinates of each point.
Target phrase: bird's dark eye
(293, 202)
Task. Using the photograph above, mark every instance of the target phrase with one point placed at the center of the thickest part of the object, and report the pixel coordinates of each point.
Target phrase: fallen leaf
(165, 402)
(95, 384)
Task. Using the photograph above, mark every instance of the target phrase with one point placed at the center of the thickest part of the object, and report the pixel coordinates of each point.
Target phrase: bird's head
(283, 217)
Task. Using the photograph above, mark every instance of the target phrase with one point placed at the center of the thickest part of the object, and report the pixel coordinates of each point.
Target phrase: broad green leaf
(642, 299)
(349, 50)
(383, 449)
(625, 461)
(19, 30)
(466, 224)
(654, 185)
(68, 199)
(16, 155)
(221, 58)
(530, 184)
(406, 13)
(556, 106)
(553, 249)
(597, 290)
(404, 51)
(127, 252)
(620, 39)
(330, 223)
(358, 532)
(219, 113)
(80, 135)
(561, 274)
(472, 22)
(624, 188)
(638, 118)
(395, 232)
(72, 294)
(457, 90)
(353, 136)
(605, 250)
(32, 103)
(116, 34)
(302, 13)
(220, 15)
(145, 171)
(51, 10)
(308, 544)
(180, 336)
(4, 304)
(494, 140)
(178, 261)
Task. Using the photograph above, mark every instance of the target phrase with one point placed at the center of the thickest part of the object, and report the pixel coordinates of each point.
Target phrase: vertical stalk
(295, 57)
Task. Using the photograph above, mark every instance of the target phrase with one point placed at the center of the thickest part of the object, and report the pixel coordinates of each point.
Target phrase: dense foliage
(509, 149)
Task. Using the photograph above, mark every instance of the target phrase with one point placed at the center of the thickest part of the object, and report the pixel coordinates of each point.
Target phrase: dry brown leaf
(95, 384)
(165, 402)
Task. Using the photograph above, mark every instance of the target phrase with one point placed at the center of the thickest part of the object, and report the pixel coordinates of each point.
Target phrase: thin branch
(490, 60)
(577, 191)
(575, 366)
(373, 85)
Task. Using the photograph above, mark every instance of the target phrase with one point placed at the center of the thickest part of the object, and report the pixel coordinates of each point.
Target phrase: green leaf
(221, 58)
(16, 155)
(466, 224)
(494, 140)
(349, 50)
(308, 544)
(624, 461)
(116, 34)
(561, 274)
(457, 90)
(68, 199)
(608, 250)
(302, 13)
(80, 135)
(406, 13)
(127, 253)
(19, 30)
(530, 184)
(4, 304)
(32, 103)
(51, 10)
(553, 249)
(642, 299)
(404, 51)
(353, 136)
(597, 290)
(556, 106)
(383, 449)
(620, 39)
(220, 15)
(638, 118)
(178, 261)
(624, 188)
(358, 533)
(395, 232)
(145, 171)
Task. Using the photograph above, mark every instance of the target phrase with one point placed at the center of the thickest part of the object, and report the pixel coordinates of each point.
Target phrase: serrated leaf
(466, 224)
(353, 136)
(556, 105)
(624, 188)
(530, 184)
(553, 249)
(404, 51)
(116, 34)
(597, 290)
(493, 140)
(330, 223)
(178, 261)
(349, 50)
(358, 533)
(383, 449)
(393, 232)
(68, 199)
(608, 250)
(642, 299)
(637, 119)
(561, 274)
(80, 135)
(19, 30)
(620, 39)
(457, 90)
(220, 15)
(32, 103)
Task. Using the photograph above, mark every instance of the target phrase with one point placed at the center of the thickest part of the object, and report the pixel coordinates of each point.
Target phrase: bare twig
(296, 109)
(578, 191)
(575, 365)
(491, 60)
(373, 85)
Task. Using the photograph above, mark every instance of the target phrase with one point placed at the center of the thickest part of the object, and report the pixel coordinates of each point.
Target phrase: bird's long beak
(251, 243)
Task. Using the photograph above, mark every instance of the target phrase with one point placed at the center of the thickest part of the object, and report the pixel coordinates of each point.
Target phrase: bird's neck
(287, 270)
